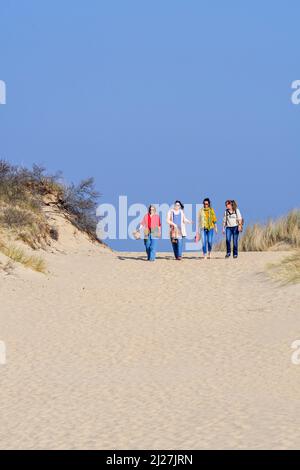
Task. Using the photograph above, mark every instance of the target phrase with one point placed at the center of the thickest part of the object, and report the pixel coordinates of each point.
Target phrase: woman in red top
(152, 231)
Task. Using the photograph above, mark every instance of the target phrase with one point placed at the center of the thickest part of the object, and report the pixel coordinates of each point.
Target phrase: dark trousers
(232, 233)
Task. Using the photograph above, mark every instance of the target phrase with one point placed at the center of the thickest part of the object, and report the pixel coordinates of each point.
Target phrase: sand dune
(108, 351)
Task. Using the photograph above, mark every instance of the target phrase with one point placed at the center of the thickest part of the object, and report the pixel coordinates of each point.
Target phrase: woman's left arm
(239, 220)
(159, 227)
(215, 221)
(186, 220)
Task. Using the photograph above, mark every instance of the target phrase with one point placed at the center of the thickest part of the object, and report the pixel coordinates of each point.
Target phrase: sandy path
(109, 351)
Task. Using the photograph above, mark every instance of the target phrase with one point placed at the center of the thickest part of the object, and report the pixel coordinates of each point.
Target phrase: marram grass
(282, 233)
(17, 254)
(286, 271)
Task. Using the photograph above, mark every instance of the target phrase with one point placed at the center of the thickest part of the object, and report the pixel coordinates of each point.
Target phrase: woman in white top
(232, 225)
(177, 221)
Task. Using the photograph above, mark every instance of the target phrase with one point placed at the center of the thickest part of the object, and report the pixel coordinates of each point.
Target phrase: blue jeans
(207, 239)
(178, 248)
(151, 245)
(232, 232)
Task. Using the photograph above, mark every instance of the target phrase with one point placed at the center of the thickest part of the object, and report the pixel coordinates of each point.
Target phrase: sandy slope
(109, 351)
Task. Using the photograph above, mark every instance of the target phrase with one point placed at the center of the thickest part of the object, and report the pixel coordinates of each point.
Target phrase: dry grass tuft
(17, 254)
(286, 271)
(283, 233)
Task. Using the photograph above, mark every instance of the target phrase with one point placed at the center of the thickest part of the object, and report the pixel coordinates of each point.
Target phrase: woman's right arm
(169, 221)
(224, 222)
(199, 221)
(141, 224)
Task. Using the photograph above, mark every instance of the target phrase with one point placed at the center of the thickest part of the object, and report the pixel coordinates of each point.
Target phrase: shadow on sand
(142, 258)
(158, 257)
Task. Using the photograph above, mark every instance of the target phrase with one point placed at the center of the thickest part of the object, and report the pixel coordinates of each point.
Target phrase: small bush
(80, 202)
(22, 195)
(15, 217)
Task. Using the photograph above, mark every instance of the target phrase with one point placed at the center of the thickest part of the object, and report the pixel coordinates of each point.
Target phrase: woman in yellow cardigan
(207, 223)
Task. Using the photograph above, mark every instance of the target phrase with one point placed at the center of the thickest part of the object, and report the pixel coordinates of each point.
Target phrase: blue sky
(157, 100)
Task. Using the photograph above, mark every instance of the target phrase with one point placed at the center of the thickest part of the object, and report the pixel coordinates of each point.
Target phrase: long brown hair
(149, 208)
(234, 205)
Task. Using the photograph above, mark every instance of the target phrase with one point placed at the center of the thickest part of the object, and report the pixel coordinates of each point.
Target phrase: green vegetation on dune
(23, 195)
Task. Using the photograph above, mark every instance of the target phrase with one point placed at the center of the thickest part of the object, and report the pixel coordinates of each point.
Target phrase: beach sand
(108, 351)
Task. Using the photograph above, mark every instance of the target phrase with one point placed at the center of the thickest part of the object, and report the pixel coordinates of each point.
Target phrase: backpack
(241, 222)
